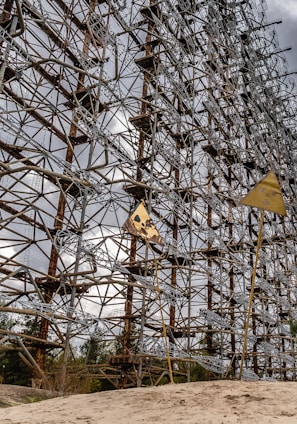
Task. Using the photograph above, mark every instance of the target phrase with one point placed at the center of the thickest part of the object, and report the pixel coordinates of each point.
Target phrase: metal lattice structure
(183, 105)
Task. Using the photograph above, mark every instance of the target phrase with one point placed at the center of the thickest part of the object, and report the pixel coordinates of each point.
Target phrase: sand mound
(215, 402)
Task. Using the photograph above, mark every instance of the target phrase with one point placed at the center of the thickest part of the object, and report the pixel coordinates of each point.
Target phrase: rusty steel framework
(183, 105)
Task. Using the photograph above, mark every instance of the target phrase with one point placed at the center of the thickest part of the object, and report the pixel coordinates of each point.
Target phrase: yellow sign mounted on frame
(266, 195)
(141, 225)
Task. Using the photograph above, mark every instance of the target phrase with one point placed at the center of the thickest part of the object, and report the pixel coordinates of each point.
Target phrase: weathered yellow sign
(141, 225)
(266, 195)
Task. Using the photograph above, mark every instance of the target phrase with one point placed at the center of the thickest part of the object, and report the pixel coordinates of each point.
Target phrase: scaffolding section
(179, 106)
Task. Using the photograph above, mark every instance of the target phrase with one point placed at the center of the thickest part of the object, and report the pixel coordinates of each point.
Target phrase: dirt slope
(11, 395)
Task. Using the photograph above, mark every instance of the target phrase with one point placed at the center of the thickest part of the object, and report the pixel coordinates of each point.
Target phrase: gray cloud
(287, 31)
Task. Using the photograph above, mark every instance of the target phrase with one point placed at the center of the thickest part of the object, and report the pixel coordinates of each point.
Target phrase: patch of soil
(11, 395)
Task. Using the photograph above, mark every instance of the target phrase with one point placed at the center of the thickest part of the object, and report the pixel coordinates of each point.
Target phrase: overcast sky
(285, 10)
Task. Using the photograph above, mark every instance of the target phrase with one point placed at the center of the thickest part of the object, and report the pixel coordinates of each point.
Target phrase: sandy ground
(215, 402)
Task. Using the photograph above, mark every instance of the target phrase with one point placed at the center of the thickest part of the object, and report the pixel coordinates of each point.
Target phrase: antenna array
(183, 105)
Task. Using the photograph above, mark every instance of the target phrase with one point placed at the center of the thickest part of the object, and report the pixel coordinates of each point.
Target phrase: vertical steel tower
(118, 118)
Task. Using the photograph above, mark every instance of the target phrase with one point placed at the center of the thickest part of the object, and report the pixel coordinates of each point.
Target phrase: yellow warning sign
(141, 225)
(266, 195)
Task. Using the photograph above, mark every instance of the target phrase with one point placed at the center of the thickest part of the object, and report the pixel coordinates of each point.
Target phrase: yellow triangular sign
(266, 195)
(141, 225)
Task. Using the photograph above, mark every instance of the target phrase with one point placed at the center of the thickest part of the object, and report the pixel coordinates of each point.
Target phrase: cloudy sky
(285, 10)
